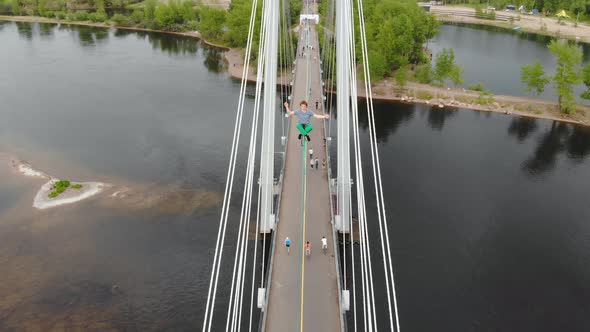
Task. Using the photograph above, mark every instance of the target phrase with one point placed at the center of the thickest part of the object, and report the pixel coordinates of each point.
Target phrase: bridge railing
(268, 277)
(334, 231)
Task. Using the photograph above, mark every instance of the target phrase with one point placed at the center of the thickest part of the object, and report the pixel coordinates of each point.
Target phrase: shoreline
(386, 91)
(39, 19)
(457, 98)
(546, 26)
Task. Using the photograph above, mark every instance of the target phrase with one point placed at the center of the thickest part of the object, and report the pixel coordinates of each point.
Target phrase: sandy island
(162, 199)
(70, 195)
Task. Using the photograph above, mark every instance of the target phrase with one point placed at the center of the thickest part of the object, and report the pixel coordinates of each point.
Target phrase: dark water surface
(494, 56)
(488, 218)
(149, 112)
(489, 214)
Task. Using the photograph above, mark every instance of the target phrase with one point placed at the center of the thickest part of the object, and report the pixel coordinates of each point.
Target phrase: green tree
(445, 67)
(238, 21)
(169, 16)
(401, 76)
(378, 66)
(456, 75)
(567, 73)
(121, 20)
(586, 80)
(16, 7)
(149, 11)
(534, 77)
(187, 11)
(424, 73)
(398, 30)
(212, 22)
(295, 7)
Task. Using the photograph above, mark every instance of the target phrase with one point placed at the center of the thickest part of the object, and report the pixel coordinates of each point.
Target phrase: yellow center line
(303, 235)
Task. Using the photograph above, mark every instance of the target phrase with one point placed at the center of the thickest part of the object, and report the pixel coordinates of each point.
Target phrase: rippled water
(488, 213)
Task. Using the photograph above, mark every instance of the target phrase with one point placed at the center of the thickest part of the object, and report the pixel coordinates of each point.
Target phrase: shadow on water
(86, 36)
(521, 128)
(559, 138)
(213, 59)
(437, 117)
(171, 45)
(121, 33)
(390, 116)
(578, 143)
(25, 30)
(46, 30)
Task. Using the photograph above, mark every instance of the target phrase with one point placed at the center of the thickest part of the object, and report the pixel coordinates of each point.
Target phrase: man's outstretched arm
(326, 116)
(288, 109)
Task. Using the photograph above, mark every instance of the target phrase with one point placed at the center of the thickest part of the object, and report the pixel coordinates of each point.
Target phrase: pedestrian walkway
(304, 289)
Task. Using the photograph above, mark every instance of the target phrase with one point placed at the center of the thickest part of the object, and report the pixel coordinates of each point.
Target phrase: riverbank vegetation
(225, 27)
(567, 74)
(396, 31)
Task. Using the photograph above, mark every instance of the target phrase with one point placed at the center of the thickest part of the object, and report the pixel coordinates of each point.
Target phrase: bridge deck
(295, 276)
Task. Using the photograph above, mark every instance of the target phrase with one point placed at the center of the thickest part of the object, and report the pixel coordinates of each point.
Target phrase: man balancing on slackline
(304, 115)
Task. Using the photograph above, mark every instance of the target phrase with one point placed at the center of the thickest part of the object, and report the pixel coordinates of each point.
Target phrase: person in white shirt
(310, 153)
(324, 244)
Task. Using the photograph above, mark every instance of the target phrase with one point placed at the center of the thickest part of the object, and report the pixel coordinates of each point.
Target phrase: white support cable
(231, 310)
(343, 97)
(234, 310)
(369, 283)
(212, 291)
(352, 266)
(254, 263)
(381, 231)
(271, 15)
(270, 51)
(376, 166)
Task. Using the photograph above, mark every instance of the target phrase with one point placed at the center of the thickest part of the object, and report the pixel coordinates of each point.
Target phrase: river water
(488, 213)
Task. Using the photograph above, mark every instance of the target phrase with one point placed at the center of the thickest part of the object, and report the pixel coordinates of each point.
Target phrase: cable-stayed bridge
(273, 288)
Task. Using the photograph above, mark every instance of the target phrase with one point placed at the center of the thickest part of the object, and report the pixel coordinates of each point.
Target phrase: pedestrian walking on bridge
(288, 245)
(324, 244)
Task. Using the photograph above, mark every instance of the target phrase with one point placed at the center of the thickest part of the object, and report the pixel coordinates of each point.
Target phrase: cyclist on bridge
(304, 115)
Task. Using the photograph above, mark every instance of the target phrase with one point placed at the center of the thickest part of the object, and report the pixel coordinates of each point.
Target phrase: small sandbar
(151, 198)
(76, 191)
(70, 195)
(29, 171)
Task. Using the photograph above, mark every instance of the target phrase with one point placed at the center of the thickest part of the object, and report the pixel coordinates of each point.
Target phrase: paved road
(296, 276)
